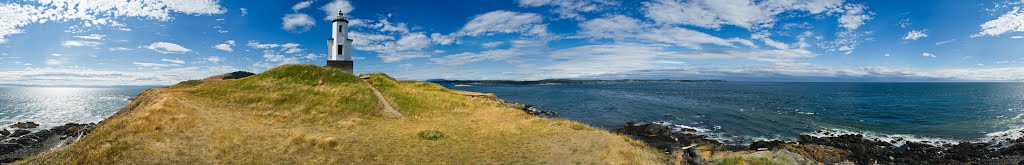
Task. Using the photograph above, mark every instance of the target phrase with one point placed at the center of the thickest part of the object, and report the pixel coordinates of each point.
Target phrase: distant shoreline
(562, 81)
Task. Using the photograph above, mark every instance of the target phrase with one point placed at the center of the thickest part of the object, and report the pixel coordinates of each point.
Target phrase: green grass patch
(188, 83)
(294, 90)
(431, 135)
(414, 98)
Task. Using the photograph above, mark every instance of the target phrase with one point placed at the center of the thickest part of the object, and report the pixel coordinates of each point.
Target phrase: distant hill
(554, 81)
(306, 114)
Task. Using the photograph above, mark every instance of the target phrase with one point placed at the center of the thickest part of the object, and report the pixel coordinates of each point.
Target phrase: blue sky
(122, 42)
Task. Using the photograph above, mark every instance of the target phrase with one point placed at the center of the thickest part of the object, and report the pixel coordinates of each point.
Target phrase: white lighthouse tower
(339, 47)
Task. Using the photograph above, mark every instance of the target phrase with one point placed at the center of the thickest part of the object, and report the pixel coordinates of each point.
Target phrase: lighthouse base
(340, 64)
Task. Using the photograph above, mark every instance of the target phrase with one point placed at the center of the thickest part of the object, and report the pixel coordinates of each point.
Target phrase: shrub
(238, 75)
(431, 135)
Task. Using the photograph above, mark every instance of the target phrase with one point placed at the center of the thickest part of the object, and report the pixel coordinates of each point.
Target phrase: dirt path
(388, 109)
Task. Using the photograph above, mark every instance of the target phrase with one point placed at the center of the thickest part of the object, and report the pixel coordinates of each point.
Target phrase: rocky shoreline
(687, 147)
(20, 142)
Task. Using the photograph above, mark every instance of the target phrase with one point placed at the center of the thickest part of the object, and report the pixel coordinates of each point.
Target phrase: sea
(51, 107)
(742, 112)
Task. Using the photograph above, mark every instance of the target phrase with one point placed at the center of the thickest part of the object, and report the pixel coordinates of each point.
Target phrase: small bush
(237, 75)
(431, 135)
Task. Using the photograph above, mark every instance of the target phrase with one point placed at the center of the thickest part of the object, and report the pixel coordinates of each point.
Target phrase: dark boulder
(766, 145)
(25, 125)
(6, 148)
(5, 132)
(19, 132)
(647, 130)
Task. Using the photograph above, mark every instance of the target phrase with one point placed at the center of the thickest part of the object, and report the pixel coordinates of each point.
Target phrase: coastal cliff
(313, 115)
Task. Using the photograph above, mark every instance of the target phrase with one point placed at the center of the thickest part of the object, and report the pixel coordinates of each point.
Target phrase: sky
(162, 42)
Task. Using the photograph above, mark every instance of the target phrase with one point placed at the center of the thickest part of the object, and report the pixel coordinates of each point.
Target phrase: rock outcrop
(23, 143)
(836, 149)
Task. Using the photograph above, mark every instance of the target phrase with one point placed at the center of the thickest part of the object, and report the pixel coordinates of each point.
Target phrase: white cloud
(854, 16)
(272, 59)
(176, 61)
(600, 59)
(408, 47)
(887, 55)
(56, 54)
(94, 13)
(442, 39)
(603, 59)
(92, 37)
(502, 21)
(945, 42)
(288, 48)
(1016, 37)
(569, 8)
(414, 41)
(620, 27)
(258, 45)
(616, 26)
(168, 48)
(742, 13)
(1012, 21)
(153, 65)
(492, 44)
(846, 41)
(916, 34)
(79, 76)
(518, 49)
(301, 5)
(399, 56)
(244, 11)
(395, 42)
(226, 46)
(312, 56)
(926, 54)
(79, 43)
(297, 22)
(338, 5)
(119, 49)
(775, 44)
(270, 56)
(54, 62)
(808, 72)
(214, 59)
(291, 48)
(685, 37)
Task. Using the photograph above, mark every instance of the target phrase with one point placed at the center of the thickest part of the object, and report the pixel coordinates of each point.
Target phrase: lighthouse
(339, 46)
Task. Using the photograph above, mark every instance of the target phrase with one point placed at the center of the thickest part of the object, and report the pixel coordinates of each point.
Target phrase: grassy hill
(312, 115)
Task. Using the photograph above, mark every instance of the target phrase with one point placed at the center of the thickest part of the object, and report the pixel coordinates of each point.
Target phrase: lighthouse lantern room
(339, 46)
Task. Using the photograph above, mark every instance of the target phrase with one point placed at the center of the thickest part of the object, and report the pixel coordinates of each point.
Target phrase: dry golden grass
(304, 114)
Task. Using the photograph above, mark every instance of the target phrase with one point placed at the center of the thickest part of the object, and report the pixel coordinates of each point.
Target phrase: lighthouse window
(340, 50)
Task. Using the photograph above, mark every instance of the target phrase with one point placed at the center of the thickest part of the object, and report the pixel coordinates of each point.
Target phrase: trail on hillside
(388, 109)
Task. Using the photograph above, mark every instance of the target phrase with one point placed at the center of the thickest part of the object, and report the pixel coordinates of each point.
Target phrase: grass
(738, 160)
(431, 135)
(305, 114)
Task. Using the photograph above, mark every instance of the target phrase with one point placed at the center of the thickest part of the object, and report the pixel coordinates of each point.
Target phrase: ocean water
(52, 107)
(739, 112)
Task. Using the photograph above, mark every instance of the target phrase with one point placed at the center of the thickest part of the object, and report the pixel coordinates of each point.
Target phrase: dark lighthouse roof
(341, 17)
